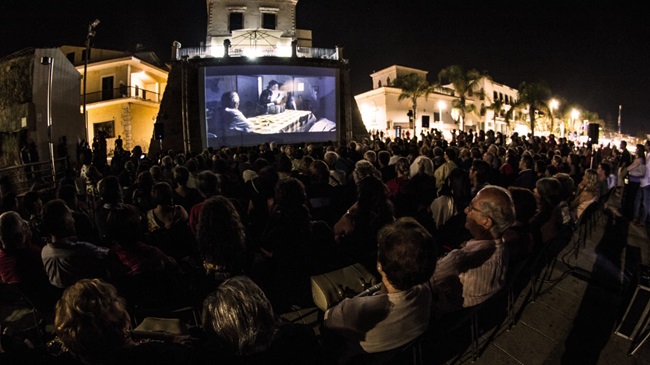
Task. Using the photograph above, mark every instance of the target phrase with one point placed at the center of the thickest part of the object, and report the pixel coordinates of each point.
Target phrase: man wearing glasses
(468, 276)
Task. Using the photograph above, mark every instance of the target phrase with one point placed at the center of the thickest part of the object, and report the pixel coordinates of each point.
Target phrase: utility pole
(89, 37)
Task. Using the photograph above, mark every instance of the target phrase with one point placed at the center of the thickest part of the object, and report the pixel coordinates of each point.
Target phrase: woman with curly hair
(587, 193)
(221, 238)
(94, 327)
(294, 247)
(357, 229)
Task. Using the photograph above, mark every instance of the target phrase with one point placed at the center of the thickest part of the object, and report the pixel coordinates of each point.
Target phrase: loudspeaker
(425, 121)
(593, 133)
(636, 316)
(159, 131)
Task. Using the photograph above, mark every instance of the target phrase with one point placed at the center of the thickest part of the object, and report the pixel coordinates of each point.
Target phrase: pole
(49, 61)
(619, 118)
(89, 36)
(85, 74)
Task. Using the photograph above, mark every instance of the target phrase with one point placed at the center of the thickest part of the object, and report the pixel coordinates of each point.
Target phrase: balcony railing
(132, 92)
(24, 177)
(259, 51)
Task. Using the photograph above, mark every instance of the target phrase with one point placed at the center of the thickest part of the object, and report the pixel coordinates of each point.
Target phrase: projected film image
(247, 105)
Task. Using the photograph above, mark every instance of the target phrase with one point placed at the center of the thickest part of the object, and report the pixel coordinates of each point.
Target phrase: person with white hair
(470, 275)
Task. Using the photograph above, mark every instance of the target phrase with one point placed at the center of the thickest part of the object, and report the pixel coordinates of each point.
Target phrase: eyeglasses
(471, 207)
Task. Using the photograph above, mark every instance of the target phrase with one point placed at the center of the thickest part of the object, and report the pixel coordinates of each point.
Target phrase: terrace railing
(132, 92)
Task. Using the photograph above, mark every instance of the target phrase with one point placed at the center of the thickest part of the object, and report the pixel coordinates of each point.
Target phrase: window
(507, 101)
(501, 96)
(379, 83)
(70, 57)
(268, 21)
(83, 55)
(236, 21)
(107, 87)
(495, 96)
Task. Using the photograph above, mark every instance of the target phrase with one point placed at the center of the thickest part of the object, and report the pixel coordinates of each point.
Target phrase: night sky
(593, 54)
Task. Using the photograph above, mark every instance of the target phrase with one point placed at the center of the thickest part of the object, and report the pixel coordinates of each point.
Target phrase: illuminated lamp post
(441, 106)
(553, 105)
(49, 61)
(574, 116)
(89, 37)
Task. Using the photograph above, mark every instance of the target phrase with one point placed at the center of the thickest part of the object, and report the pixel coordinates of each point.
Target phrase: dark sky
(592, 54)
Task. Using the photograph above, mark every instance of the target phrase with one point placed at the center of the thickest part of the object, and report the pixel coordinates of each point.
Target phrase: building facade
(381, 109)
(24, 82)
(254, 28)
(123, 94)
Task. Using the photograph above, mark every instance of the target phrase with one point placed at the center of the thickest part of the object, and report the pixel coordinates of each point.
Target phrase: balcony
(132, 92)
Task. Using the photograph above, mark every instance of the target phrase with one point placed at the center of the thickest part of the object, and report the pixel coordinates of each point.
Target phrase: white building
(381, 110)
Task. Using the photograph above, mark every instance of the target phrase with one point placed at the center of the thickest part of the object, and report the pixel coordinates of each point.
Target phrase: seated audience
(183, 195)
(239, 322)
(83, 224)
(470, 275)
(518, 237)
(65, 259)
(127, 238)
(588, 192)
(167, 225)
(21, 264)
(357, 229)
(111, 197)
(93, 327)
(400, 311)
(295, 247)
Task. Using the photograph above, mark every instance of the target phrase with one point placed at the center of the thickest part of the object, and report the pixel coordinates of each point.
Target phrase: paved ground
(578, 311)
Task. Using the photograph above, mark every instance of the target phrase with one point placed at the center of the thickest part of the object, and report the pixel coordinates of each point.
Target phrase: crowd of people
(236, 234)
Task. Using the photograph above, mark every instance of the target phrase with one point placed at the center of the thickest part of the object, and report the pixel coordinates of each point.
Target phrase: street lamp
(49, 61)
(441, 106)
(575, 113)
(553, 105)
(89, 37)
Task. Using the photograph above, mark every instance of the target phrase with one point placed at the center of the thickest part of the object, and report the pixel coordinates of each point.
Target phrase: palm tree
(534, 96)
(413, 87)
(465, 84)
(496, 106)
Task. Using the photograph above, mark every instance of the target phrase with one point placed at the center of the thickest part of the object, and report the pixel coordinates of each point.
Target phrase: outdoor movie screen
(252, 104)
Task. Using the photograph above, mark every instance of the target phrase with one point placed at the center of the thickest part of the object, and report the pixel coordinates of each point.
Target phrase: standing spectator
(636, 172)
(643, 194)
